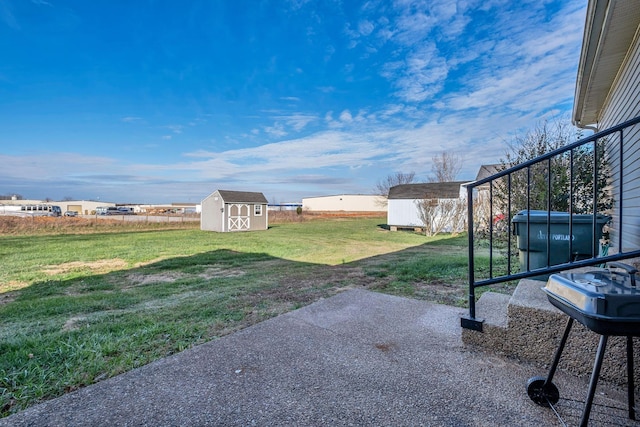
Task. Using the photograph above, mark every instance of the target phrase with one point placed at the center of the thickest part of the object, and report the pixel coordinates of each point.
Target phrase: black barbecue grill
(606, 302)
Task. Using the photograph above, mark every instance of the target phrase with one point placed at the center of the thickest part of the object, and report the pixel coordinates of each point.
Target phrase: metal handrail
(471, 321)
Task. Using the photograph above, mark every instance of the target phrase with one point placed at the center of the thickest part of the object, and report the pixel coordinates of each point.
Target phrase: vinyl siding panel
(406, 213)
(623, 104)
(259, 222)
(211, 217)
(403, 213)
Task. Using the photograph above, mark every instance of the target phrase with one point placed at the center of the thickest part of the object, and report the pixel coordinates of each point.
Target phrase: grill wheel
(542, 393)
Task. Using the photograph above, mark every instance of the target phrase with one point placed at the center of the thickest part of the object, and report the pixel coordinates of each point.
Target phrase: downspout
(593, 128)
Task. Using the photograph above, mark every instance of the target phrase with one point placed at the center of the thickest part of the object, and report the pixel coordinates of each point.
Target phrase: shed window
(257, 210)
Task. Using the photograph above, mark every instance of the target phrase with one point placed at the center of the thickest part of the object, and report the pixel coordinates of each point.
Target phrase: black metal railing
(585, 177)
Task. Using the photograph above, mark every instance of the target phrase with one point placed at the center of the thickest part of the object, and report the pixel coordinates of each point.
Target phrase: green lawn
(79, 308)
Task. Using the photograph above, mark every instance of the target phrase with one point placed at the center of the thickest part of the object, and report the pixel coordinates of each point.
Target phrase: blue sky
(166, 101)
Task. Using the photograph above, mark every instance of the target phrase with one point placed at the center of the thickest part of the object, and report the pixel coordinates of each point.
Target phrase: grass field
(77, 308)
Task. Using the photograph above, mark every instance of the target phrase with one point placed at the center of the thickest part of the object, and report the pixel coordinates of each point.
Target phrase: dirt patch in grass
(98, 267)
(11, 285)
(214, 272)
(73, 323)
(141, 279)
(6, 298)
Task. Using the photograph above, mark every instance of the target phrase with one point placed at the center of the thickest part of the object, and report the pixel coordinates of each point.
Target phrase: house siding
(403, 213)
(623, 103)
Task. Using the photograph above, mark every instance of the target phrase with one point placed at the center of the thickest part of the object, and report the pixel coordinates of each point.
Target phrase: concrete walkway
(357, 359)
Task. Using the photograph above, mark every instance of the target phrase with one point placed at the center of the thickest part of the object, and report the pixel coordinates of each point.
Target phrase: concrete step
(525, 326)
(492, 308)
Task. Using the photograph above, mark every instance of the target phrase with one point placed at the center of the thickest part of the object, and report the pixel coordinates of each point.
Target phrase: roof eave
(610, 28)
(587, 55)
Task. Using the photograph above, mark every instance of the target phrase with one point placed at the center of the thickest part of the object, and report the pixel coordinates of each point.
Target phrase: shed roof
(609, 31)
(488, 170)
(242, 197)
(430, 190)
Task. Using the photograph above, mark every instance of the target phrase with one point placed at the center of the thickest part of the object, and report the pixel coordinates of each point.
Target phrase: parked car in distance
(107, 210)
(71, 213)
(113, 210)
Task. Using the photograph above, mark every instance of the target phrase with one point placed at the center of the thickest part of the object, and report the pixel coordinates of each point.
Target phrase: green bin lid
(555, 217)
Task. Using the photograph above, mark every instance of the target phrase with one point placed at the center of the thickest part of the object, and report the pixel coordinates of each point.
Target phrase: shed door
(238, 217)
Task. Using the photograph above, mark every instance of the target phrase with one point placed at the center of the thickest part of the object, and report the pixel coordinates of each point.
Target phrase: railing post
(549, 205)
(491, 229)
(509, 214)
(472, 295)
(620, 191)
(594, 224)
(528, 261)
(571, 190)
(471, 322)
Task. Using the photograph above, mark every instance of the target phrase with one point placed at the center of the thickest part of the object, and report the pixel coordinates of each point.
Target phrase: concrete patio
(358, 358)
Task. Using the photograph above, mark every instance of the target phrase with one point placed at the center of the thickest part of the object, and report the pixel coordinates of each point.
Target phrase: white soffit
(610, 29)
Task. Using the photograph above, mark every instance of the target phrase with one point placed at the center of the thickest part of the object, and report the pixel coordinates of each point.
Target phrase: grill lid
(607, 302)
(597, 293)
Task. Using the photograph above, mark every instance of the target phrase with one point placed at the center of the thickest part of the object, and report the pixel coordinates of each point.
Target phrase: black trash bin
(561, 251)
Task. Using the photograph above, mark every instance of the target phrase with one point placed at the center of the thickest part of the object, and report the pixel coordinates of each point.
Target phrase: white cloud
(177, 129)
(277, 130)
(131, 119)
(298, 121)
(422, 75)
(321, 150)
(51, 166)
(540, 74)
(345, 116)
(365, 28)
(326, 89)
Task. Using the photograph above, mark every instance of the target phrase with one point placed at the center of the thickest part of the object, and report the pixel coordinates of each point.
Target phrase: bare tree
(445, 215)
(440, 215)
(397, 178)
(445, 167)
(11, 196)
(481, 213)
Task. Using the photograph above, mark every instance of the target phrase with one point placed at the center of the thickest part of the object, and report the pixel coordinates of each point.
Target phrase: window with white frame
(257, 210)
